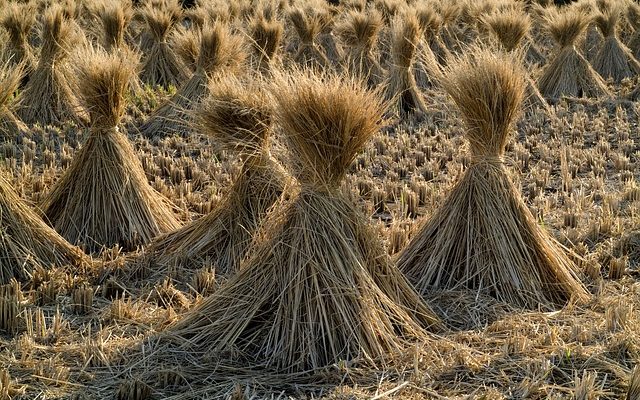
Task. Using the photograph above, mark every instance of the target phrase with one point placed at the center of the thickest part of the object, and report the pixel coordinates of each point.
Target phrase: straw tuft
(266, 35)
(510, 27)
(10, 126)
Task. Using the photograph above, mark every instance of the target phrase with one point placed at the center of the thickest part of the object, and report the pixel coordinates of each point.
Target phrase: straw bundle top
(326, 122)
(509, 26)
(406, 35)
(566, 26)
(238, 118)
(102, 80)
(160, 20)
(607, 20)
(489, 98)
(219, 49)
(360, 29)
(57, 35)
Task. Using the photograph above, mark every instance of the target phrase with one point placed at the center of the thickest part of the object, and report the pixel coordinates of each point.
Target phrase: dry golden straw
(359, 33)
(510, 29)
(27, 242)
(219, 53)
(308, 25)
(266, 39)
(613, 60)
(401, 87)
(47, 97)
(568, 73)
(18, 20)
(103, 198)
(10, 126)
(239, 119)
(484, 237)
(318, 287)
(161, 65)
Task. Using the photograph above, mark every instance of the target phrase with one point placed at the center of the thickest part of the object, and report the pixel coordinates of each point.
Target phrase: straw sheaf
(237, 117)
(220, 50)
(406, 35)
(327, 121)
(266, 35)
(488, 88)
(160, 21)
(633, 15)
(18, 20)
(101, 81)
(607, 20)
(115, 18)
(510, 27)
(360, 28)
(567, 26)
(57, 35)
(307, 24)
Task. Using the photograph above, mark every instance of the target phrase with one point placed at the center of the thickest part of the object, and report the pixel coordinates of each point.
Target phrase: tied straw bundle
(484, 237)
(240, 121)
(613, 60)
(47, 97)
(161, 65)
(359, 33)
(266, 39)
(318, 287)
(103, 198)
(220, 53)
(569, 73)
(401, 86)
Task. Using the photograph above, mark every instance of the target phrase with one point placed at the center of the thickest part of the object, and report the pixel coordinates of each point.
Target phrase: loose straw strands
(10, 126)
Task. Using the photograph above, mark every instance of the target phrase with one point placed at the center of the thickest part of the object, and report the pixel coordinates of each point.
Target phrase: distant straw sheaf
(18, 20)
(318, 287)
(161, 65)
(483, 237)
(10, 126)
(359, 33)
(47, 98)
(237, 116)
(428, 64)
(115, 17)
(613, 60)
(569, 73)
(511, 28)
(401, 86)
(103, 198)
(308, 25)
(221, 53)
(633, 17)
(266, 38)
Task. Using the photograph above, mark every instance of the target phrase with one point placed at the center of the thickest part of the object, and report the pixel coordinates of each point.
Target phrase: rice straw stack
(569, 73)
(483, 237)
(359, 33)
(240, 121)
(318, 287)
(103, 198)
(613, 60)
(47, 98)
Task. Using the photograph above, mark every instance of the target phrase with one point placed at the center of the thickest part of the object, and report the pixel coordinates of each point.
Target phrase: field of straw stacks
(291, 199)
